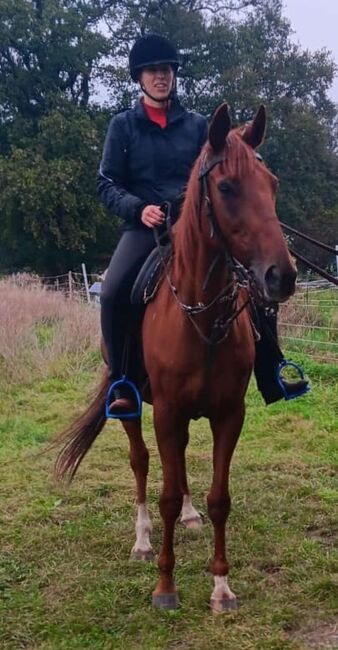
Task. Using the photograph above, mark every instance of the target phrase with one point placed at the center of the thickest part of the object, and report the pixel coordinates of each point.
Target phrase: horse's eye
(226, 187)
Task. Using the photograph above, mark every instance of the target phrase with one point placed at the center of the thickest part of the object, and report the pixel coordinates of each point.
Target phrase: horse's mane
(239, 159)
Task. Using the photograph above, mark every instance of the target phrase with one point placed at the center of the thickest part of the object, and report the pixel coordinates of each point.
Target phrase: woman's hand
(152, 216)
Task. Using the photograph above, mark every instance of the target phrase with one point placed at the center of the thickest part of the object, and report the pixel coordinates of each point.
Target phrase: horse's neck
(196, 274)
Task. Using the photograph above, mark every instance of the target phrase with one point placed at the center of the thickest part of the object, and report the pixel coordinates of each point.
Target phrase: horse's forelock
(239, 158)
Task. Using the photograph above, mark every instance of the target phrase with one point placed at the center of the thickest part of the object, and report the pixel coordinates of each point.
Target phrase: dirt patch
(320, 636)
(325, 536)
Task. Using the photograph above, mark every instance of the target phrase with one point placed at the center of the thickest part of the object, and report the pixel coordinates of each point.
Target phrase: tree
(47, 46)
(50, 135)
(50, 215)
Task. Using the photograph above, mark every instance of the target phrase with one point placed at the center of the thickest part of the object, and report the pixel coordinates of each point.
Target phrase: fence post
(70, 284)
(84, 272)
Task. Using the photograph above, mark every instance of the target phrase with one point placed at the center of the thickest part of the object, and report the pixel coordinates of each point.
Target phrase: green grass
(66, 581)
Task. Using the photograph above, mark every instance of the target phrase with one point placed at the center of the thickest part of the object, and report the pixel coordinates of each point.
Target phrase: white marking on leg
(222, 589)
(143, 529)
(189, 513)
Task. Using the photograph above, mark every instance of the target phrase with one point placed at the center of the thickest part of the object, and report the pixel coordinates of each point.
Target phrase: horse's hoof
(220, 605)
(166, 601)
(142, 556)
(194, 523)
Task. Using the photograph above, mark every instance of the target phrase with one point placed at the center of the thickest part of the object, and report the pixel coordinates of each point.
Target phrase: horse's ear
(219, 128)
(254, 133)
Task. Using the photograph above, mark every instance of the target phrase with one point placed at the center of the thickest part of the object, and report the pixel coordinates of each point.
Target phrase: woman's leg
(268, 358)
(116, 310)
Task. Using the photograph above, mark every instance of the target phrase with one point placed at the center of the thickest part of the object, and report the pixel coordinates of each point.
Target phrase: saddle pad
(150, 275)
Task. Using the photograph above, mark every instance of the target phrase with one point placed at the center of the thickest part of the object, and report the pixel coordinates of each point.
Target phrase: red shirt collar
(156, 114)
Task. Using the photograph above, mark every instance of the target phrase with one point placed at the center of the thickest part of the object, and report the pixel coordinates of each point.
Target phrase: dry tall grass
(309, 323)
(43, 332)
(38, 328)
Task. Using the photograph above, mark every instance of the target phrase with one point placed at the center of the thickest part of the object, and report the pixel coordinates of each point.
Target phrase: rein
(320, 244)
(305, 261)
(314, 267)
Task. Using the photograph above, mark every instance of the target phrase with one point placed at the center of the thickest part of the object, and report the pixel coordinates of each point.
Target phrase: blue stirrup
(110, 415)
(287, 364)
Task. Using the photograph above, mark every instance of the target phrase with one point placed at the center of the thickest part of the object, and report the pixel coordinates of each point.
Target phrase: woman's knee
(109, 296)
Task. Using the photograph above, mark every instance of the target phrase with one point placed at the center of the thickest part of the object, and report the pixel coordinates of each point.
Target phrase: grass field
(66, 581)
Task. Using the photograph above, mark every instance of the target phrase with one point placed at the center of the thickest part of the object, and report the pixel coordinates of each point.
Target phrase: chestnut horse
(199, 340)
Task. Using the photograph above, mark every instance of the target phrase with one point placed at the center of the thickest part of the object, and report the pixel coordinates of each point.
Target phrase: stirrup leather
(287, 364)
(135, 393)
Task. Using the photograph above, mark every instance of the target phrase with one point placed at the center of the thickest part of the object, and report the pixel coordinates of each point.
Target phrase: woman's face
(157, 79)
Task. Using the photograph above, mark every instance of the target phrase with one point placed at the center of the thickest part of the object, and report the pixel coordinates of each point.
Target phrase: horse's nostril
(279, 284)
(272, 278)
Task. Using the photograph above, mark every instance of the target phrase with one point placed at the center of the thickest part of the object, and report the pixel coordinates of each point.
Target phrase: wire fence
(71, 284)
(308, 322)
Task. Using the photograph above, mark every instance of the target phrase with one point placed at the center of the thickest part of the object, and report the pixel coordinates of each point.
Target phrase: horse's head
(242, 193)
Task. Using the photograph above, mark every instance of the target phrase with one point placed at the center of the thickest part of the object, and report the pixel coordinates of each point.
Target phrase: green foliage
(46, 47)
(54, 52)
(49, 210)
(50, 138)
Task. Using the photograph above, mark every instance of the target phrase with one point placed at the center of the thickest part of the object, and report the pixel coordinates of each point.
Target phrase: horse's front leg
(171, 434)
(139, 461)
(226, 430)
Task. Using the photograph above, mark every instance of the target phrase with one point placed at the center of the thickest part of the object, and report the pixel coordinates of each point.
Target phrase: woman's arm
(113, 174)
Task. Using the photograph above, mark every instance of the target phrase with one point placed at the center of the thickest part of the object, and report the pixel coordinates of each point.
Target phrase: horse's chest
(176, 355)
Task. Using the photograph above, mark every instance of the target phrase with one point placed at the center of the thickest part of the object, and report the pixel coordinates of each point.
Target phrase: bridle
(204, 194)
(241, 278)
(237, 267)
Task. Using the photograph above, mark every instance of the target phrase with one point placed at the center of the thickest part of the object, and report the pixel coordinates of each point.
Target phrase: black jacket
(144, 164)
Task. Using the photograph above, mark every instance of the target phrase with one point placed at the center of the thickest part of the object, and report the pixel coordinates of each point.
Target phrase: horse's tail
(77, 439)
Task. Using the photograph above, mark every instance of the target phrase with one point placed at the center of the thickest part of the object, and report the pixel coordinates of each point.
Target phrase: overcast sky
(315, 23)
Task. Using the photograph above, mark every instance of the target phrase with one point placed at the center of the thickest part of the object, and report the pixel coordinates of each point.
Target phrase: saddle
(150, 276)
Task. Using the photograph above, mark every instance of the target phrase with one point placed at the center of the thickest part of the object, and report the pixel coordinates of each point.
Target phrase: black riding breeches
(268, 354)
(118, 317)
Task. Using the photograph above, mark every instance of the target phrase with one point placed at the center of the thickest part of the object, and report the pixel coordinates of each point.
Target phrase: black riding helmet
(151, 50)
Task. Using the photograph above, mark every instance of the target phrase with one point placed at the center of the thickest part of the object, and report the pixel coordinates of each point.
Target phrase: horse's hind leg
(226, 431)
(139, 461)
(190, 518)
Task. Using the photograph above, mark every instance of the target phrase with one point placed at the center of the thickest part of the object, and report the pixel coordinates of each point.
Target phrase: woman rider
(147, 157)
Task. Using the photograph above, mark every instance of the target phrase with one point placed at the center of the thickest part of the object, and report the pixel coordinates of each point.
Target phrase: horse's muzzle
(279, 284)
